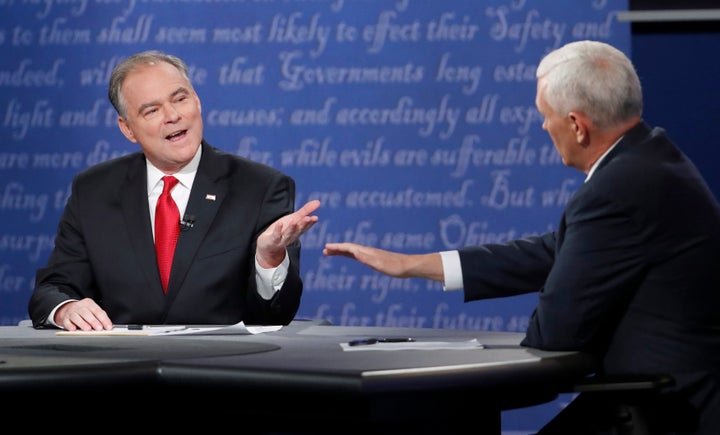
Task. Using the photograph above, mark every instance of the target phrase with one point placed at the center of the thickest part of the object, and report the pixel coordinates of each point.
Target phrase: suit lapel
(133, 196)
(206, 196)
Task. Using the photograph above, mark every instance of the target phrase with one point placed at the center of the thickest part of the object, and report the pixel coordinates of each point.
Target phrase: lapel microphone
(187, 222)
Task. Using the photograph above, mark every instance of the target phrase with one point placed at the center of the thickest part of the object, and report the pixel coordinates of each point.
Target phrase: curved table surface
(308, 365)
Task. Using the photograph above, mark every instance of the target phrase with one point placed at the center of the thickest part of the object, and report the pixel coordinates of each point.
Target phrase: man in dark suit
(238, 250)
(632, 273)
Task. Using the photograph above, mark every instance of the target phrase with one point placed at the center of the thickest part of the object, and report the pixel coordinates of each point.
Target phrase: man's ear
(126, 130)
(581, 127)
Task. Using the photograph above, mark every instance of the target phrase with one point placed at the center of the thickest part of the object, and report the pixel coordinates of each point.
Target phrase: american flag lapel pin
(210, 197)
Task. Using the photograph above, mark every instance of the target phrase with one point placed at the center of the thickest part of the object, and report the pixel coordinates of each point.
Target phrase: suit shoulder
(109, 169)
(239, 164)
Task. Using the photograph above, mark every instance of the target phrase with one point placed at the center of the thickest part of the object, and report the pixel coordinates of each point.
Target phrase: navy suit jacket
(632, 273)
(104, 246)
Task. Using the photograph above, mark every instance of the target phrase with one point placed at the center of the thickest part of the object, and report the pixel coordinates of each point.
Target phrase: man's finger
(310, 207)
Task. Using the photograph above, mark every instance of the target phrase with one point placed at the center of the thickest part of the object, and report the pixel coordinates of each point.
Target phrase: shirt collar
(602, 157)
(186, 175)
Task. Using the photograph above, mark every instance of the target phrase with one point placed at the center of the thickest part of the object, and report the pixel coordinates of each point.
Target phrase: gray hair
(150, 57)
(594, 78)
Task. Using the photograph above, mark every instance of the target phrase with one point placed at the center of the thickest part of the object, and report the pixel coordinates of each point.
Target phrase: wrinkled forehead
(150, 82)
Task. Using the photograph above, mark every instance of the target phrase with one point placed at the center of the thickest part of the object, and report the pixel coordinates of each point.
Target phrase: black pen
(365, 341)
(129, 327)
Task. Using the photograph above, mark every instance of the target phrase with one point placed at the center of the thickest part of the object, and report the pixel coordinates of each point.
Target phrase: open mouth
(176, 135)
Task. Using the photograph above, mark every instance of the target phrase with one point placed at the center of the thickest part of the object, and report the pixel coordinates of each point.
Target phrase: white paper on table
(418, 344)
(236, 329)
(161, 330)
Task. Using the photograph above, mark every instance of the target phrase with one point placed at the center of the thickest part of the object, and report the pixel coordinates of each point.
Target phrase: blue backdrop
(412, 121)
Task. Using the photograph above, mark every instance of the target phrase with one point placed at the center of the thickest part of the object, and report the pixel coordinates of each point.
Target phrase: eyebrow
(180, 90)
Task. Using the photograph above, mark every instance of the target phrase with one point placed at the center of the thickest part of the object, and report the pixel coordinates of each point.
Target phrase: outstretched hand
(389, 263)
(428, 266)
(272, 242)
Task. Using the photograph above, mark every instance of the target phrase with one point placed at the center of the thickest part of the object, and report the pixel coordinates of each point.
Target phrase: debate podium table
(299, 379)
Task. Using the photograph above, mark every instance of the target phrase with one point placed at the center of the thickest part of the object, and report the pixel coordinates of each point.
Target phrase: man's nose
(171, 113)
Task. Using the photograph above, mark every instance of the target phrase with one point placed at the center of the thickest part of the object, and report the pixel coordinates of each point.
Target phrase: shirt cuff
(452, 270)
(271, 280)
(50, 320)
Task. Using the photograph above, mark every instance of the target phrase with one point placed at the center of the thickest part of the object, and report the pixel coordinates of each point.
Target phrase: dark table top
(304, 361)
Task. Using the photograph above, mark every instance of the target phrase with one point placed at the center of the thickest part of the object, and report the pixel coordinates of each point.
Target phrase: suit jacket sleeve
(581, 272)
(283, 306)
(67, 274)
(598, 264)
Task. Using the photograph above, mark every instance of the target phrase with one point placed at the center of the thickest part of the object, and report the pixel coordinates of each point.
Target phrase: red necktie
(167, 229)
